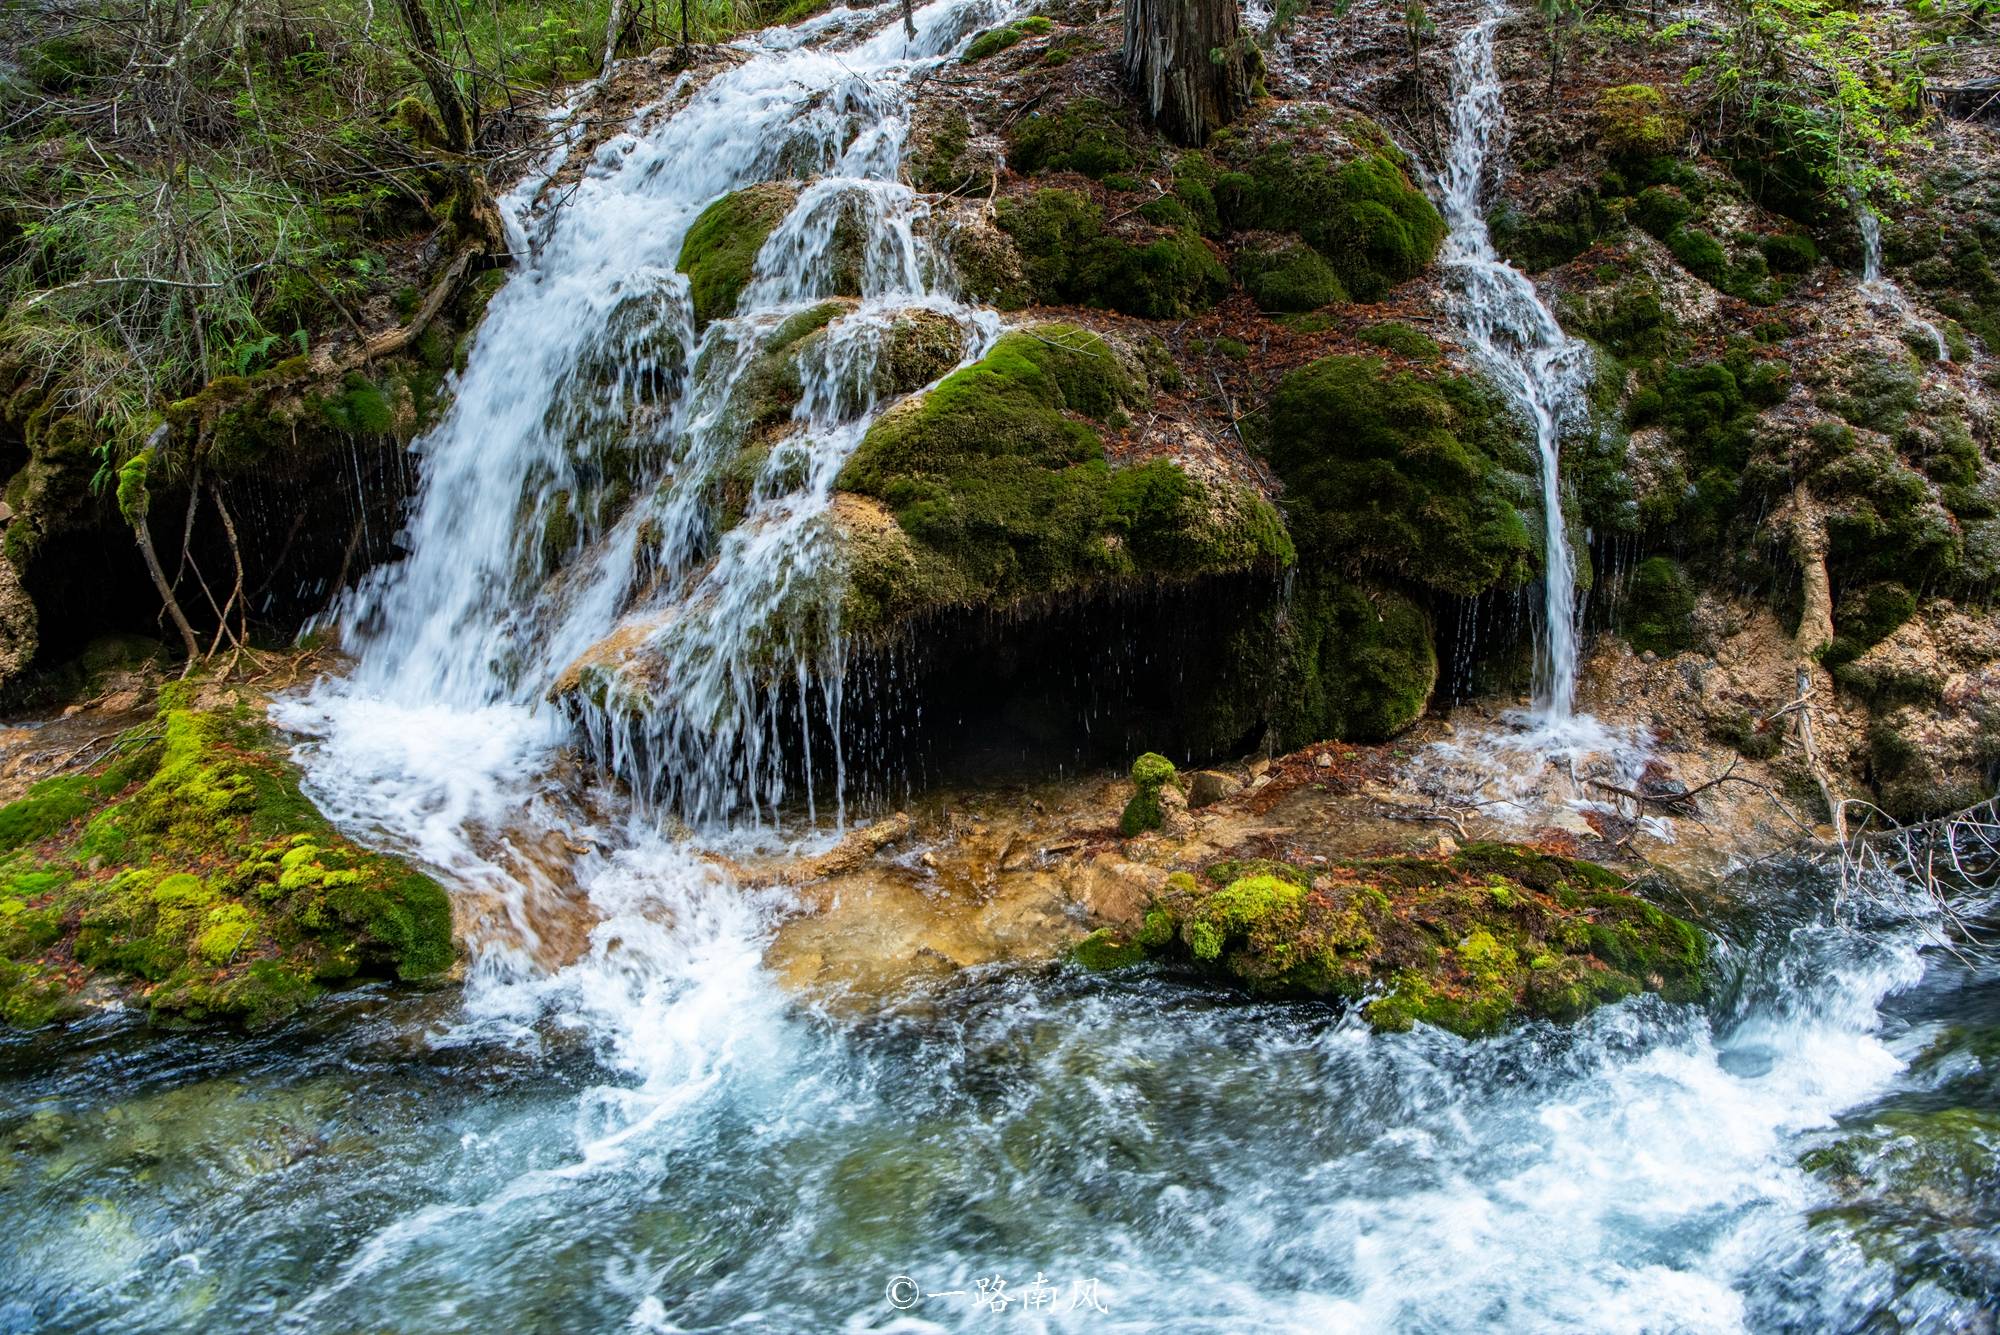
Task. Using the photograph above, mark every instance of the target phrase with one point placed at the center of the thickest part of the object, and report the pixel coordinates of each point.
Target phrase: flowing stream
(656, 1137)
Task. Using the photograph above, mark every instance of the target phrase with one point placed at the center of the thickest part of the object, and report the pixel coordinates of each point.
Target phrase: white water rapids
(657, 1138)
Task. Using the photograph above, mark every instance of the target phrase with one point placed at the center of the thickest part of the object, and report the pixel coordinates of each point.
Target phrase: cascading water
(1884, 290)
(651, 1137)
(1538, 366)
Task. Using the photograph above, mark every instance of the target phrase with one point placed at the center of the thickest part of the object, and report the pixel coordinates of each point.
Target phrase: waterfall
(571, 496)
(1539, 367)
(1886, 291)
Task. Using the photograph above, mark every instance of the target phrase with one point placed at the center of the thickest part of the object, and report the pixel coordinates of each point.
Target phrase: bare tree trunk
(1188, 64)
(910, 20)
(437, 76)
(159, 574)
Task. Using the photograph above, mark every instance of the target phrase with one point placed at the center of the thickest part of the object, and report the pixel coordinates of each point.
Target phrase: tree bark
(159, 574)
(436, 74)
(1187, 63)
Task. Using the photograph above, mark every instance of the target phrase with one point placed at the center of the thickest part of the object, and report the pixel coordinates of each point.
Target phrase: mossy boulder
(1085, 136)
(1285, 274)
(1364, 214)
(1471, 944)
(1068, 257)
(1000, 491)
(995, 40)
(719, 252)
(1151, 773)
(191, 872)
(1410, 476)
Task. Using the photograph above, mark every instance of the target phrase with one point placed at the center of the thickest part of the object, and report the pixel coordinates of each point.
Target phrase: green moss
(1069, 258)
(1364, 215)
(1789, 252)
(1150, 773)
(360, 409)
(1086, 136)
(720, 249)
(1356, 663)
(1634, 121)
(1463, 944)
(1659, 607)
(1287, 275)
(1401, 339)
(1255, 904)
(995, 40)
(1400, 473)
(1864, 617)
(1104, 950)
(235, 899)
(1004, 492)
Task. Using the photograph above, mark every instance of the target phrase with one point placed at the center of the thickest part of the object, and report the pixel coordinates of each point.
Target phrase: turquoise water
(1163, 1158)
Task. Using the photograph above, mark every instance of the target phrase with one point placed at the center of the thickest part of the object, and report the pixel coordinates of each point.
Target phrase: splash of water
(1884, 290)
(1539, 367)
(570, 500)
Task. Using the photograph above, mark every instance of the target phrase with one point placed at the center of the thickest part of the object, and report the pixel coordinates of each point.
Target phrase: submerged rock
(1469, 943)
(191, 873)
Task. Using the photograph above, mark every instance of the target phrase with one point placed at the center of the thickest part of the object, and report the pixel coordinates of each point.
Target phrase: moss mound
(995, 40)
(1288, 275)
(1069, 258)
(192, 871)
(1150, 773)
(1402, 473)
(998, 481)
(1086, 136)
(720, 249)
(1470, 944)
(1375, 227)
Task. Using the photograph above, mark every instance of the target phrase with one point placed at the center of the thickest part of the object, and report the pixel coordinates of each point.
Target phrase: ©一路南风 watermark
(996, 1295)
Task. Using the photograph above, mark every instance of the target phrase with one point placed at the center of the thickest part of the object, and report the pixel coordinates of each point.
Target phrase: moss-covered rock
(1355, 662)
(1470, 944)
(1069, 258)
(1402, 473)
(1365, 215)
(1151, 772)
(1285, 274)
(1085, 135)
(1001, 492)
(719, 252)
(193, 872)
(995, 40)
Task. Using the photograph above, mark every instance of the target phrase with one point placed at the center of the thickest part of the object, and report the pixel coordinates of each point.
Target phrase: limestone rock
(1206, 787)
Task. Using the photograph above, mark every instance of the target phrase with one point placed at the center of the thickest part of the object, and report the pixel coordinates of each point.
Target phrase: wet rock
(1468, 943)
(1207, 787)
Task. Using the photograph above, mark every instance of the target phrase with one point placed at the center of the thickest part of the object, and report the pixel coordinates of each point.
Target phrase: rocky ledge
(184, 871)
(1468, 942)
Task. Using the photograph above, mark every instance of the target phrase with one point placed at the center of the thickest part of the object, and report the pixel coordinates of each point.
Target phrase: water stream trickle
(1540, 368)
(1885, 291)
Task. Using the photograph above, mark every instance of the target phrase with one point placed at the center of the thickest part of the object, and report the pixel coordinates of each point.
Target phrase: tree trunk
(1188, 65)
(159, 574)
(437, 77)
